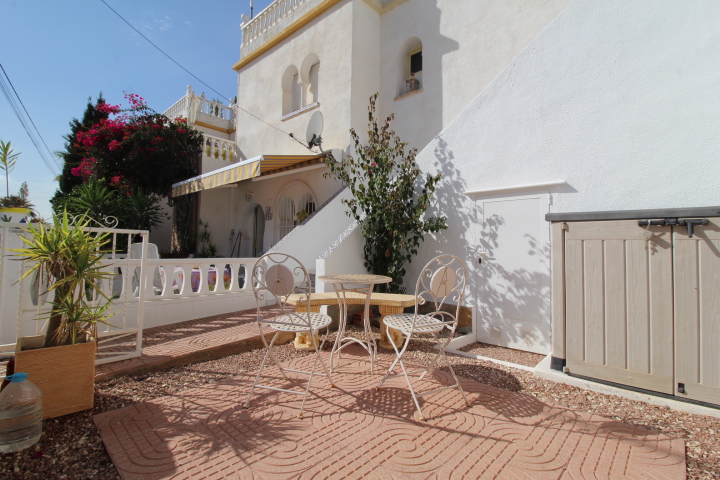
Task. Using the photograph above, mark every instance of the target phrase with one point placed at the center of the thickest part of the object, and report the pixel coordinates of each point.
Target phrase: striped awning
(254, 167)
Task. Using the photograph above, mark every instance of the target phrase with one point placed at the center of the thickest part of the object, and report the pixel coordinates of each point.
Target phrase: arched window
(294, 204)
(292, 91)
(410, 66)
(314, 80)
(309, 78)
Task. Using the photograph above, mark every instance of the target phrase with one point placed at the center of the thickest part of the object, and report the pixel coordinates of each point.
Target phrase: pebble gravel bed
(71, 447)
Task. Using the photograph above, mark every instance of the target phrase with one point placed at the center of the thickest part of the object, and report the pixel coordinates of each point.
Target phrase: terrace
(183, 383)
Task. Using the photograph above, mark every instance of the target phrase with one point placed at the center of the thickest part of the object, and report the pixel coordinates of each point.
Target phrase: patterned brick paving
(187, 342)
(354, 431)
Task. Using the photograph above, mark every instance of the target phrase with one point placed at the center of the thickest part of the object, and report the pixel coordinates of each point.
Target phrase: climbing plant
(389, 198)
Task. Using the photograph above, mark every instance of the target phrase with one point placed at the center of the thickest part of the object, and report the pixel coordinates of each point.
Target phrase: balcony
(200, 111)
(278, 17)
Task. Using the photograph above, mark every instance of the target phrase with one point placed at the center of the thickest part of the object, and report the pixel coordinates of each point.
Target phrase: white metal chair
(274, 277)
(441, 286)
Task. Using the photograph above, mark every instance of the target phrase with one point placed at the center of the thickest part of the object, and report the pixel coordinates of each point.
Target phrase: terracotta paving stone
(355, 431)
(187, 342)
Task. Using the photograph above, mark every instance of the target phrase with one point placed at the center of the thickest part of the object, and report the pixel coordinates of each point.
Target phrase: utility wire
(34, 135)
(198, 79)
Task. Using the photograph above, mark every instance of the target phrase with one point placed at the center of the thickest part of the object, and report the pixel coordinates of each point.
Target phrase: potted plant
(66, 260)
(13, 208)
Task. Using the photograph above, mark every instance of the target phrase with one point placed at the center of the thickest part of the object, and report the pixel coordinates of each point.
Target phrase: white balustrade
(272, 20)
(216, 109)
(219, 148)
(181, 108)
(168, 290)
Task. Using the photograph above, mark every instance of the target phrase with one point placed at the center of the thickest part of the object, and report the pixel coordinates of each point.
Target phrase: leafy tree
(73, 153)
(389, 200)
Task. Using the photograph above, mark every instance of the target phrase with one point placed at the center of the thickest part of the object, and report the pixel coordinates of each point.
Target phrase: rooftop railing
(272, 20)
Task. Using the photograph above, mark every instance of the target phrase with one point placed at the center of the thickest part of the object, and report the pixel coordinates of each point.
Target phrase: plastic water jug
(20, 414)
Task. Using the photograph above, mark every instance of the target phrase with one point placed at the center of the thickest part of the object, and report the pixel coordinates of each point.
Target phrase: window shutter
(314, 83)
(296, 94)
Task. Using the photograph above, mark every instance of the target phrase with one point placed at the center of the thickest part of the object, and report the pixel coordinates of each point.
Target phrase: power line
(198, 79)
(34, 135)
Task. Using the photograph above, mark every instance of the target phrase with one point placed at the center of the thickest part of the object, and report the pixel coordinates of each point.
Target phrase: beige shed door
(619, 303)
(697, 311)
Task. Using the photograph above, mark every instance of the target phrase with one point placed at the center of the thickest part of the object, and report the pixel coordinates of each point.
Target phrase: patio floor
(187, 342)
(355, 431)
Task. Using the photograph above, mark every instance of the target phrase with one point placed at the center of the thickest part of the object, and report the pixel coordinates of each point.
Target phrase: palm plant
(68, 260)
(8, 157)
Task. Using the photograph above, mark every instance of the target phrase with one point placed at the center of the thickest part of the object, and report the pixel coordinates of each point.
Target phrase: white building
(525, 107)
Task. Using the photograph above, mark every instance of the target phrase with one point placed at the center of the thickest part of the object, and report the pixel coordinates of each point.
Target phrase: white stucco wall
(307, 242)
(226, 209)
(465, 45)
(618, 99)
(329, 36)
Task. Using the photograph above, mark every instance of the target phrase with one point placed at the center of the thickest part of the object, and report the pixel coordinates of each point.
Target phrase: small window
(314, 72)
(416, 63)
(296, 93)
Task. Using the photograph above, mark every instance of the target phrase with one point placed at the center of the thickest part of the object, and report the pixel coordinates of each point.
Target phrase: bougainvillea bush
(121, 162)
(137, 148)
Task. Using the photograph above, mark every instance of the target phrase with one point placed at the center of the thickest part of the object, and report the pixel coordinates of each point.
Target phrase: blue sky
(57, 54)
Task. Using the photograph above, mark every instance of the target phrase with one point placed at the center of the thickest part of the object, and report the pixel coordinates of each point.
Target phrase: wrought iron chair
(274, 277)
(441, 281)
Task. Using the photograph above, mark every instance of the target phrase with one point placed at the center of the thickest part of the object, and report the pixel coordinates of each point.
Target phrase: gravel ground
(528, 359)
(71, 447)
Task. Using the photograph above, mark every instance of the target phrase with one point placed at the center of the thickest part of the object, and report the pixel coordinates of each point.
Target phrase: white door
(513, 284)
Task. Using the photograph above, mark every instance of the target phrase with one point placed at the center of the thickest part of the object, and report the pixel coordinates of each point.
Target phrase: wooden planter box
(65, 375)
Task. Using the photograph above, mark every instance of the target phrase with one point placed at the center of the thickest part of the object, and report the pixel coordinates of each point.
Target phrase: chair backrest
(136, 251)
(274, 277)
(441, 285)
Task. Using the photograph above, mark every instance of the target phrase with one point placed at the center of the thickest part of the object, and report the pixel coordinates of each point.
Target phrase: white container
(20, 414)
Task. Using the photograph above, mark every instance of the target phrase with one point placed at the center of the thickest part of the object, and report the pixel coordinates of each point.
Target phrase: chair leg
(398, 354)
(452, 372)
(268, 353)
(342, 324)
(318, 356)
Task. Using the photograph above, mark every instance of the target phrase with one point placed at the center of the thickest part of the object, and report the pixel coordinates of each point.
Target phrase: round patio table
(360, 283)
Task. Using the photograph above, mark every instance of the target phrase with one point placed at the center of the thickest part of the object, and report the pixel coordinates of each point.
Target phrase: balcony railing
(272, 20)
(192, 104)
(219, 148)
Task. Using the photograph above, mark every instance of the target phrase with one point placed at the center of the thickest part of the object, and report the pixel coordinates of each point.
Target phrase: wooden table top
(355, 298)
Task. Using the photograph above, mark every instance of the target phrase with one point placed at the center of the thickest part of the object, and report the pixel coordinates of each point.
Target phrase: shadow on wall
(510, 288)
(434, 46)
(449, 201)
(513, 295)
